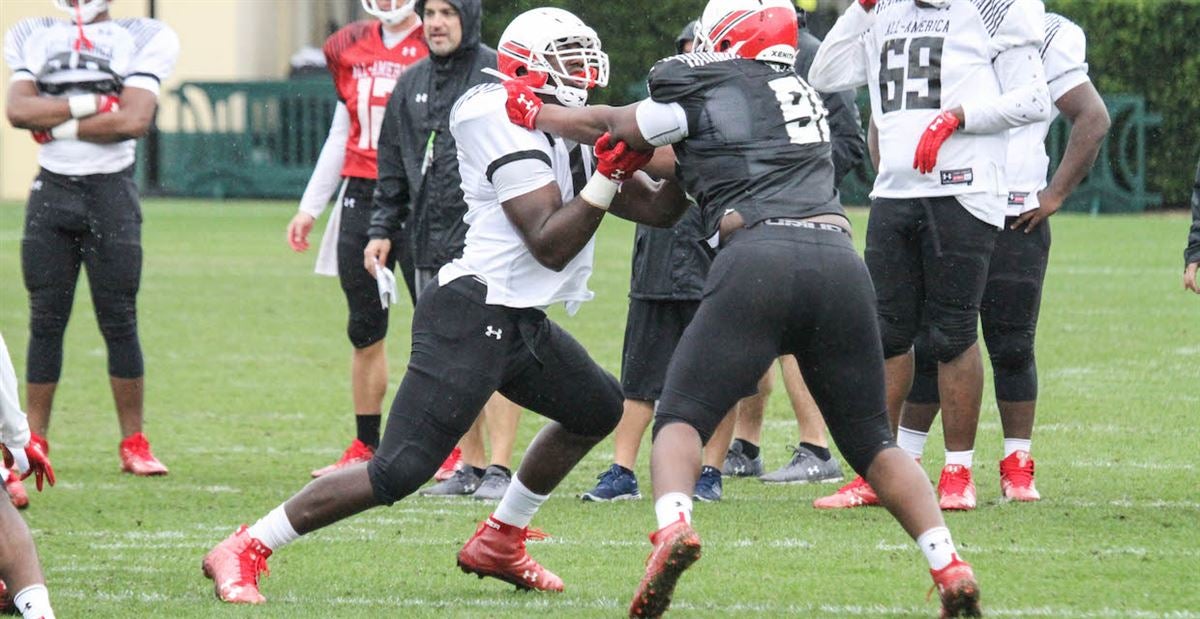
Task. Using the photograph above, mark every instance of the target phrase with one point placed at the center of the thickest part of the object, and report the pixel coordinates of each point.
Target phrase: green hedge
(1146, 47)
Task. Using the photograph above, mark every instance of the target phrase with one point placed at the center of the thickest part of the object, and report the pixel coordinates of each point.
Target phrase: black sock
(820, 452)
(478, 471)
(748, 448)
(505, 469)
(368, 429)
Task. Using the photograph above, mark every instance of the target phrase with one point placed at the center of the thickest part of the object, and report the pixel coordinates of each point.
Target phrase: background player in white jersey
(1012, 297)
(1191, 255)
(87, 90)
(365, 59)
(752, 142)
(947, 79)
(21, 581)
(480, 327)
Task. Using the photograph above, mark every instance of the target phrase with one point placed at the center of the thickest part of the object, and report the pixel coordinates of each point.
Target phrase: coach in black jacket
(418, 161)
(1191, 256)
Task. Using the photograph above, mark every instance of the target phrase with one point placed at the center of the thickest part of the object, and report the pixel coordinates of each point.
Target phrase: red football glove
(42, 136)
(867, 5)
(618, 161)
(32, 461)
(523, 104)
(107, 103)
(937, 132)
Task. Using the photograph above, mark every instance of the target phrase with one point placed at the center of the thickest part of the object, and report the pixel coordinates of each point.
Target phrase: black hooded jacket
(418, 159)
(1192, 254)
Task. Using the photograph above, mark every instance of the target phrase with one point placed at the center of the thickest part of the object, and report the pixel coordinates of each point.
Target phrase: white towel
(327, 258)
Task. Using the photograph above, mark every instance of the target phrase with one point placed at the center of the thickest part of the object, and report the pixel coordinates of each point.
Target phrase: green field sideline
(248, 389)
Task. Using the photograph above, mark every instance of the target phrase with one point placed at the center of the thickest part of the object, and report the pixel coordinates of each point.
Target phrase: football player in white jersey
(21, 581)
(480, 327)
(1009, 310)
(948, 79)
(87, 88)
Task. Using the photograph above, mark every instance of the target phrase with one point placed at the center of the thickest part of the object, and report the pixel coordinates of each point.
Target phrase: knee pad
(924, 388)
(1011, 352)
(946, 344)
(410, 457)
(366, 328)
(605, 410)
(896, 338)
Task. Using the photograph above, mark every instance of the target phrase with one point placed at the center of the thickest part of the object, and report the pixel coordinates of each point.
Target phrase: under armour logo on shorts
(348, 202)
(493, 332)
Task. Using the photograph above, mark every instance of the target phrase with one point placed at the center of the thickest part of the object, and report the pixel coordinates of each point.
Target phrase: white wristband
(66, 131)
(600, 191)
(83, 106)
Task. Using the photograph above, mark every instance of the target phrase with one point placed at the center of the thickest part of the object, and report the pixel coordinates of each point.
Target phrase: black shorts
(368, 320)
(778, 290)
(928, 259)
(652, 330)
(463, 350)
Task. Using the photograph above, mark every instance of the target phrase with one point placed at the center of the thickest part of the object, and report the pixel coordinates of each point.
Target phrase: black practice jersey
(758, 137)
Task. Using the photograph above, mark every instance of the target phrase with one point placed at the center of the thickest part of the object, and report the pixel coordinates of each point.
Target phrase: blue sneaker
(616, 484)
(708, 487)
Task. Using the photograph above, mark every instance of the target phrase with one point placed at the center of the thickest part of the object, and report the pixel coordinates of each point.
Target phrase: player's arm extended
(841, 61)
(587, 124)
(130, 122)
(1024, 99)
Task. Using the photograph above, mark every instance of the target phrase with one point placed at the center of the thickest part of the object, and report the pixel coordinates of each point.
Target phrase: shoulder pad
(676, 77)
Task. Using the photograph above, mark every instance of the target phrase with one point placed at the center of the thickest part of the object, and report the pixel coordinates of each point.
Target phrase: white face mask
(392, 17)
(937, 4)
(87, 10)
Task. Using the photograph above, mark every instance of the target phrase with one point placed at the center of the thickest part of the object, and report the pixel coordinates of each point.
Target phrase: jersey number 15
(921, 58)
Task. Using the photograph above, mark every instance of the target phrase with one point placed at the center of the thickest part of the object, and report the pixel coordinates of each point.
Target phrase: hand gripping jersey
(133, 53)
(1063, 56)
(921, 60)
(499, 161)
(364, 72)
(757, 137)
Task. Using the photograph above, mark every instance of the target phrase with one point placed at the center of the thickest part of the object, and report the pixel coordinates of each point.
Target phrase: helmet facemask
(390, 17)
(574, 65)
(83, 11)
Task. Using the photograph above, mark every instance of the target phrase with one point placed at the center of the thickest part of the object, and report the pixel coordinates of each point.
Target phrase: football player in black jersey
(752, 143)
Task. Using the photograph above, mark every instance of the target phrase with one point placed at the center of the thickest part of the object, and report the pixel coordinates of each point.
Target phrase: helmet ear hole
(724, 45)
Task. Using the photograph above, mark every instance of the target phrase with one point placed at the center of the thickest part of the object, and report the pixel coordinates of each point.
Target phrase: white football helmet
(84, 11)
(560, 52)
(391, 17)
(756, 29)
(937, 4)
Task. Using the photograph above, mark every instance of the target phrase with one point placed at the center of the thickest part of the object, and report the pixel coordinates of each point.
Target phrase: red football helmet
(560, 54)
(756, 29)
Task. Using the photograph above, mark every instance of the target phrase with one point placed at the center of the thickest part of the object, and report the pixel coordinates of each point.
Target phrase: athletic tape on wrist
(83, 106)
(66, 131)
(600, 191)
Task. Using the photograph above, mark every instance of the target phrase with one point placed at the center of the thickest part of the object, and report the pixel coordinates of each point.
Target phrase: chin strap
(82, 41)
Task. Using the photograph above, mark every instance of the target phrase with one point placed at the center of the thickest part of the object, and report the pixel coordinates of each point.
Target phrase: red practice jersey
(364, 73)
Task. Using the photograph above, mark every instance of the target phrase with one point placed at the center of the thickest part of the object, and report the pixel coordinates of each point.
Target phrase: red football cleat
(6, 601)
(234, 566)
(857, 493)
(452, 463)
(676, 548)
(1016, 477)
(956, 489)
(498, 550)
(957, 588)
(137, 458)
(16, 490)
(357, 452)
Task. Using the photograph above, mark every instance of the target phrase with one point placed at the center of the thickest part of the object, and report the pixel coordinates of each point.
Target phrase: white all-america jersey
(499, 161)
(137, 53)
(921, 60)
(1063, 56)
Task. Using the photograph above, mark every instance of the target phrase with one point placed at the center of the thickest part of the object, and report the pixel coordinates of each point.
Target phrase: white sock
(937, 546)
(912, 441)
(962, 458)
(274, 530)
(4, 473)
(34, 602)
(1017, 444)
(518, 505)
(672, 506)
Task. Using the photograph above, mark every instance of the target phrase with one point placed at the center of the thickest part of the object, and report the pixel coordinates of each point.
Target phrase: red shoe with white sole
(676, 548)
(958, 589)
(1016, 477)
(498, 550)
(234, 566)
(356, 453)
(857, 493)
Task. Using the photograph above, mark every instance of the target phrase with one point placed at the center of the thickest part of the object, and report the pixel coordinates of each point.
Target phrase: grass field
(248, 389)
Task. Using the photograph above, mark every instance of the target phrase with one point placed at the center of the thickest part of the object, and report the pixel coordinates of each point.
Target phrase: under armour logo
(617, 174)
(813, 470)
(493, 332)
(37, 186)
(421, 97)
(530, 576)
(348, 202)
(408, 51)
(523, 100)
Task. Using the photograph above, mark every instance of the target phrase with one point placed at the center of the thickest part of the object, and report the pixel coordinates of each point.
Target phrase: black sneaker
(708, 487)
(738, 464)
(616, 484)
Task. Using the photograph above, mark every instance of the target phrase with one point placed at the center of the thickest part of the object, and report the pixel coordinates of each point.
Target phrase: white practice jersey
(14, 427)
(499, 161)
(919, 60)
(1063, 56)
(125, 53)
